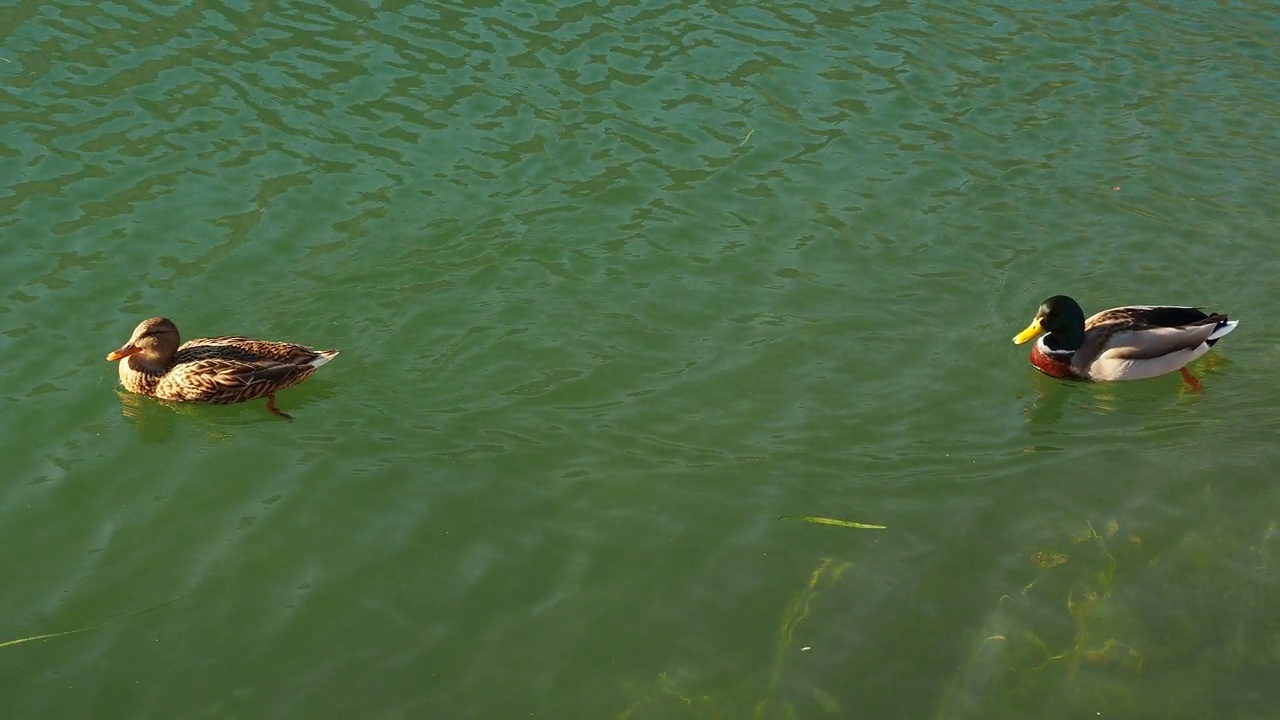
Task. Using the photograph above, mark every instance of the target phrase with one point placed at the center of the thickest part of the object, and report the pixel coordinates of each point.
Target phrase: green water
(617, 285)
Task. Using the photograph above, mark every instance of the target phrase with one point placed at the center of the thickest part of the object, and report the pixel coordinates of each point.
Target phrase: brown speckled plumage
(211, 370)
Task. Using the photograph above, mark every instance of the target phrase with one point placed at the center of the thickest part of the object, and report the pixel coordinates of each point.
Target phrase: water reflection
(154, 420)
(157, 420)
(1049, 396)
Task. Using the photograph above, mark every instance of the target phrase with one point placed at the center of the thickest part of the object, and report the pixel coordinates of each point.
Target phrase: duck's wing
(1148, 331)
(221, 380)
(1144, 341)
(243, 349)
(1140, 316)
(1147, 343)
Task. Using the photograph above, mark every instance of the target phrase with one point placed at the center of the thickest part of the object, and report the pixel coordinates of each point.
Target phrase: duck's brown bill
(122, 353)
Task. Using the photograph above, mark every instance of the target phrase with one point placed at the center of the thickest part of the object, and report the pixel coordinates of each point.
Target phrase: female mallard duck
(211, 370)
(1124, 343)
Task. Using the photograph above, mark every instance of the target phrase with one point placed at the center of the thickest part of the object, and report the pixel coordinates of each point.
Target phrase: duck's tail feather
(322, 357)
(1224, 328)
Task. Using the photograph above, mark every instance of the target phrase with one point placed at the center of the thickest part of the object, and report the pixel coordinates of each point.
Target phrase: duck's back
(1148, 316)
(243, 349)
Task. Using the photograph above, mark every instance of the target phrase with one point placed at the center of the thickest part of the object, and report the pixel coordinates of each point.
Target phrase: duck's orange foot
(1192, 381)
(271, 406)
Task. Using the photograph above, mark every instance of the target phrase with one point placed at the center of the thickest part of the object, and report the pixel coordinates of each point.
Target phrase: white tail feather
(324, 357)
(1223, 329)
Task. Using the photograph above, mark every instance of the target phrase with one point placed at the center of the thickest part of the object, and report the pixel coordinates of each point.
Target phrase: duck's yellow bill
(1032, 332)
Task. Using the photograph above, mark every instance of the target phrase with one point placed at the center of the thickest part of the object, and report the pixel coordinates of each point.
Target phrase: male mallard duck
(1124, 343)
(211, 370)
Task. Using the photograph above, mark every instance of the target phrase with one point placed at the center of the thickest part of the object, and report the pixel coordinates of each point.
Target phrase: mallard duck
(1124, 343)
(211, 370)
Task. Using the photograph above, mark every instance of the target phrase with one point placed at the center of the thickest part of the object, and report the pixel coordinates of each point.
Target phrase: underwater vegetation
(666, 698)
(1107, 627)
(1103, 626)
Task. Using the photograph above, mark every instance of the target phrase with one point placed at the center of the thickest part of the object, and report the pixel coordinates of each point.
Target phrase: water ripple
(615, 287)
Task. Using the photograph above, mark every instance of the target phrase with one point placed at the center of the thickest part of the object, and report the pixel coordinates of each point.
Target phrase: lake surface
(618, 286)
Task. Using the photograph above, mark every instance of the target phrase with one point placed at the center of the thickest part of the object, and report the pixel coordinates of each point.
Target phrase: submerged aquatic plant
(1107, 626)
(666, 693)
(87, 628)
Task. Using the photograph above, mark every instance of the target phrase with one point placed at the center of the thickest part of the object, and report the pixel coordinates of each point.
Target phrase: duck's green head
(1058, 315)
